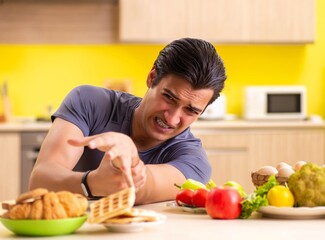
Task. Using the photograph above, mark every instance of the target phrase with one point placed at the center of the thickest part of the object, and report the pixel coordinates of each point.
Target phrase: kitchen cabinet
(219, 21)
(236, 148)
(10, 165)
(13, 151)
(147, 21)
(58, 22)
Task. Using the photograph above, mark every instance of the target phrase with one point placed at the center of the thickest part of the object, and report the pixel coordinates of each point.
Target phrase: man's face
(170, 107)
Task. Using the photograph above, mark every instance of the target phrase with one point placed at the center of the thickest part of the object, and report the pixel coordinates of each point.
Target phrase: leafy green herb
(262, 190)
(252, 202)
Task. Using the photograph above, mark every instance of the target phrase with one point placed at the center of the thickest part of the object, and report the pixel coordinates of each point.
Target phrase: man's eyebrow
(195, 109)
(171, 93)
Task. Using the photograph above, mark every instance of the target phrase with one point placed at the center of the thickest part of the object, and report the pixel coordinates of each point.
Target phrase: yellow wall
(39, 75)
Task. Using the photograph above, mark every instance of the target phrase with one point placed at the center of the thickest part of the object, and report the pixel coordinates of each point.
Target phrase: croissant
(40, 204)
(74, 205)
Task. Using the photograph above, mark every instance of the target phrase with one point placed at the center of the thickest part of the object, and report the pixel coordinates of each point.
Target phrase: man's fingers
(75, 142)
(111, 152)
(125, 170)
(127, 175)
(80, 142)
(92, 142)
(114, 153)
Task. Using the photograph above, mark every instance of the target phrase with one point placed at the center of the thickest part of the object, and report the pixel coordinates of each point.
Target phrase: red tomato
(223, 203)
(184, 196)
(200, 197)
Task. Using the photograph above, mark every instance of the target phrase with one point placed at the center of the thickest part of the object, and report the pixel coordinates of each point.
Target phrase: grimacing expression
(171, 106)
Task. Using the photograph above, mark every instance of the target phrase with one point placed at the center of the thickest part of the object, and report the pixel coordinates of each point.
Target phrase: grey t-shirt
(96, 110)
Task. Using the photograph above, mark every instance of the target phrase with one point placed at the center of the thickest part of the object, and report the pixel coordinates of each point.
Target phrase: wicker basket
(259, 179)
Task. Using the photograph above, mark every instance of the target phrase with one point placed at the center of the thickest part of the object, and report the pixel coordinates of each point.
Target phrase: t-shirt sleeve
(81, 107)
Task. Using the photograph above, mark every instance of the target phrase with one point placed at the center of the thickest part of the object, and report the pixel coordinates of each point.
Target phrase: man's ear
(151, 77)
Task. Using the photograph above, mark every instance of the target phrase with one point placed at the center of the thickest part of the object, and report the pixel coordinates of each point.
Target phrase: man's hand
(120, 154)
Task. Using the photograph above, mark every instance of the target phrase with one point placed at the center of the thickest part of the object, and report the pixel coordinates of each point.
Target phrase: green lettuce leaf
(252, 202)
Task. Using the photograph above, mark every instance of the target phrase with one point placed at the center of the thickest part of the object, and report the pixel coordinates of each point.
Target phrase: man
(102, 141)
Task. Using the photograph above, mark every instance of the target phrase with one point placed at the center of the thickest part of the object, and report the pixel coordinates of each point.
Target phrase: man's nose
(173, 116)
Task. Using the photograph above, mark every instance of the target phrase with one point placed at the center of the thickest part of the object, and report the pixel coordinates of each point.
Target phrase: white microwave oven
(275, 102)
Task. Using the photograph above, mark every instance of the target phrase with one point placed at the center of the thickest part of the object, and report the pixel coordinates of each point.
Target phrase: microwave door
(283, 103)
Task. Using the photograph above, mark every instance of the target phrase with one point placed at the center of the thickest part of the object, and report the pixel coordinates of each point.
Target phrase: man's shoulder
(186, 137)
(92, 92)
(187, 134)
(87, 88)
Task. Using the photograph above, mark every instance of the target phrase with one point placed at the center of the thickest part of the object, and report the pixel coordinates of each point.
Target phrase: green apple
(237, 186)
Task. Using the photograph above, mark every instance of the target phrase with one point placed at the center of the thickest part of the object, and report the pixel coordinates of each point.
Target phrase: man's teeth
(161, 123)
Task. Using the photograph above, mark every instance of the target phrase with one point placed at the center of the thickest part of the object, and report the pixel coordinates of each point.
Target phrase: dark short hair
(195, 60)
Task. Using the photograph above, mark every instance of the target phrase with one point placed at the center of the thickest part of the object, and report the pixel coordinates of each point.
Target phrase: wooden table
(181, 225)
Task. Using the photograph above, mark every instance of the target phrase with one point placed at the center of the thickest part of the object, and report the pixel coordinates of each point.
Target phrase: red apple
(223, 203)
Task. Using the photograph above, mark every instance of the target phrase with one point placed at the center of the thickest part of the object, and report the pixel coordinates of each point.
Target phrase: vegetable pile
(305, 188)
(225, 202)
(308, 185)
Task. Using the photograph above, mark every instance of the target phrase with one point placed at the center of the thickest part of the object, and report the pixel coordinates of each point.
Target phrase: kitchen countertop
(199, 124)
(24, 126)
(246, 124)
(184, 225)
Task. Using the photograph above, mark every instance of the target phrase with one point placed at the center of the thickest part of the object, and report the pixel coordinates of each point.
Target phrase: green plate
(43, 227)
